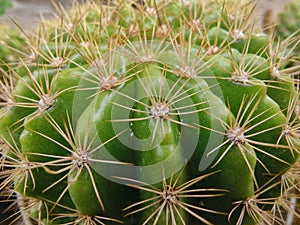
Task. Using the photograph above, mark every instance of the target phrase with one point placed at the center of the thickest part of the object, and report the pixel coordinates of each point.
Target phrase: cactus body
(286, 24)
(157, 113)
(288, 19)
(10, 43)
(5, 4)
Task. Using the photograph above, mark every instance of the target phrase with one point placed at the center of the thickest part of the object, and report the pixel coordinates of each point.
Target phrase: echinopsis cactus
(158, 112)
(5, 4)
(287, 27)
(288, 19)
(11, 41)
(285, 22)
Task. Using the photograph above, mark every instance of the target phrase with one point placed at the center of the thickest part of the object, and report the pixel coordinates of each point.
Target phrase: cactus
(158, 112)
(5, 4)
(286, 24)
(11, 43)
(288, 19)
(288, 27)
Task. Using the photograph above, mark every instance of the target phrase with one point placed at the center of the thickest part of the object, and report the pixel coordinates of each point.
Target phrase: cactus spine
(161, 112)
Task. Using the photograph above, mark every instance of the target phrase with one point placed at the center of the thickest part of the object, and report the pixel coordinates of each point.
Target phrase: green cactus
(288, 28)
(288, 19)
(286, 24)
(12, 44)
(161, 112)
(5, 4)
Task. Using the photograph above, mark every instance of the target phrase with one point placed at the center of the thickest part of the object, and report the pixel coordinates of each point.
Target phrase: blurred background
(27, 13)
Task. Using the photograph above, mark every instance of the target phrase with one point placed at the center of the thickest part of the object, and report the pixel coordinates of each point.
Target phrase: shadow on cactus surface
(166, 112)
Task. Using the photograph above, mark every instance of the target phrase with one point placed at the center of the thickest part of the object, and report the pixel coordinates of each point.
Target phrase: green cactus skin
(10, 44)
(5, 4)
(167, 112)
(288, 20)
(286, 25)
